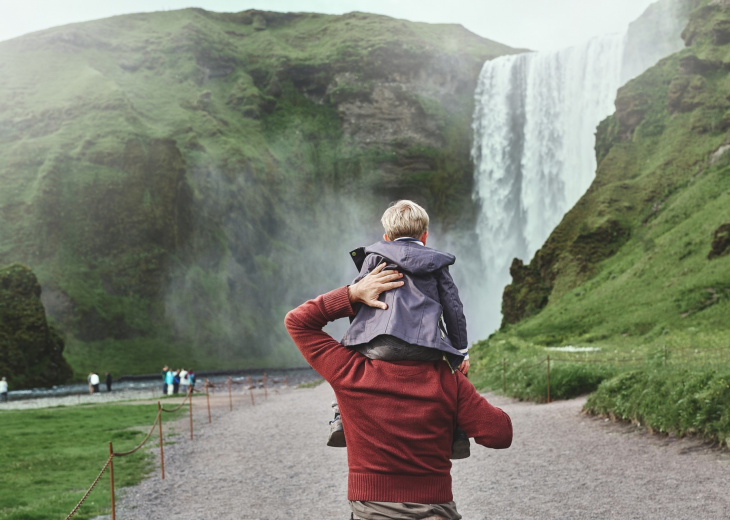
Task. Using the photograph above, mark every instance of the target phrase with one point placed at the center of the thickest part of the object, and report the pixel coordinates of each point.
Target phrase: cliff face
(631, 258)
(178, 180)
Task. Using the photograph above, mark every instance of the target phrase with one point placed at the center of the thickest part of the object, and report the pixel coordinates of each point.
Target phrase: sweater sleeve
(453, 311)
(305, 323)
(487, 424)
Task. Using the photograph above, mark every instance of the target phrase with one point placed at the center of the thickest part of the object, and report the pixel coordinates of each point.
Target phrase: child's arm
(453, 311)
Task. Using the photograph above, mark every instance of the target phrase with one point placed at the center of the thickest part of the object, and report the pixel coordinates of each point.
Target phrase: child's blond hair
(405, 218)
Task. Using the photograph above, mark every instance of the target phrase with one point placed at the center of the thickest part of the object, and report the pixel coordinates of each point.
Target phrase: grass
(674, 400)
(311, 384)
(51, 456)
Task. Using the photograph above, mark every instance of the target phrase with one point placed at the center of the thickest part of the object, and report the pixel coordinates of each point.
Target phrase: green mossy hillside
(179, 180)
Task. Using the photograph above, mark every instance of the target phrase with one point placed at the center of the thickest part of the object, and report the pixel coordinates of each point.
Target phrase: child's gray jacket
(418, 311)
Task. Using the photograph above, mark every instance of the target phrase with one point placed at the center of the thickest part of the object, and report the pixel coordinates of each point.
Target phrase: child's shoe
(460, 446)
(337, 433)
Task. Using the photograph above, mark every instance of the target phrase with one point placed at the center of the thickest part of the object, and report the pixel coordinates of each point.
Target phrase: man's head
(403, 219)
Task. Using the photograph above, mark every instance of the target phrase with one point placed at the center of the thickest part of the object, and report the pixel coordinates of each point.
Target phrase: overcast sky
(533, 24)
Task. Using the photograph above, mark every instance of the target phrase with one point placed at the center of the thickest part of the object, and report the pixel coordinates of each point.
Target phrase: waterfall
(534, 125)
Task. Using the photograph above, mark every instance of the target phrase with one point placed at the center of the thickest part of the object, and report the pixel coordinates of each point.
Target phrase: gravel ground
(270, 461)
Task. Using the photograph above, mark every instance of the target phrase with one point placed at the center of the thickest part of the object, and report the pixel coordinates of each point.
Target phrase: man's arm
(304, 324)
(487, 424)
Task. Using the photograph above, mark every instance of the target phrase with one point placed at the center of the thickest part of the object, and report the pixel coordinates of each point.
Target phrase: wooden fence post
(190, 405)
(111, 478)
(207, 398)
(504, 376)
(162, 453)
(548, 379)
(230, 398)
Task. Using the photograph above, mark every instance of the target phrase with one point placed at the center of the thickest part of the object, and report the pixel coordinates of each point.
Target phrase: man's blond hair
(405, 218)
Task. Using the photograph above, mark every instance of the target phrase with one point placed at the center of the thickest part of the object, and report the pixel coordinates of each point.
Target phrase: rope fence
(667, 355)
(157, 424)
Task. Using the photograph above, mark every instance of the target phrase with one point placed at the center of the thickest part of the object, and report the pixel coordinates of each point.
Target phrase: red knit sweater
(399, 417)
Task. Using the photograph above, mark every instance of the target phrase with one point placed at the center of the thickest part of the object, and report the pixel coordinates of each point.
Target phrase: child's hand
(369, 288)
(464, 367)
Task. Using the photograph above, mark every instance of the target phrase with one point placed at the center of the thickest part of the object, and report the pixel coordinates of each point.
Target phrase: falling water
(533, 147)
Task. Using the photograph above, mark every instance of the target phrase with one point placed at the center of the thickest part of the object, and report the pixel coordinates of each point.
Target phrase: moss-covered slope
(641, 260)
(178, 180)
(31, 351)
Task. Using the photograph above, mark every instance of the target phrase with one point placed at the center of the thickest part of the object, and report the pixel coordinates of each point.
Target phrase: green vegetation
(677, 401)
(52, 456)
(311, 384)
(31, 351)
(168, 176)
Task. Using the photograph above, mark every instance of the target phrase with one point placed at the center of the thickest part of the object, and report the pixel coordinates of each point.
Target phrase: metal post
(286, 381)
(159, 425)
(250, 391)
(207, 398)
(548, 379)
(111, 477)
(190, 406)
(266, 395)
(504, 376)
(230, 398)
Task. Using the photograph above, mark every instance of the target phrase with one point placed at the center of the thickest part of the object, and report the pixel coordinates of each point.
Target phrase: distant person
(3, 390)
(184, 381)
(176, 382)
(164, 380)
(399, 415)
(94, 382)
(169, 377)
(108, 382)
(424, 320)
(191, 379)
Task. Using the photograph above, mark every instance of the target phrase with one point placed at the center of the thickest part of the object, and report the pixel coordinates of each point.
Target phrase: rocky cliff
(178, 180)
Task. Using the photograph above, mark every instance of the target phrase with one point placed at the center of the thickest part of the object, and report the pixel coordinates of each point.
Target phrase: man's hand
(464, 367)
(369, 288)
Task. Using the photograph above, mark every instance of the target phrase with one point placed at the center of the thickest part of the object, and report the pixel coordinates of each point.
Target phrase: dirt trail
(270, 462)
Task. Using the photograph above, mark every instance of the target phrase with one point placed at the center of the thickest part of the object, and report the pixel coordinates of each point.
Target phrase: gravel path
(270, 461)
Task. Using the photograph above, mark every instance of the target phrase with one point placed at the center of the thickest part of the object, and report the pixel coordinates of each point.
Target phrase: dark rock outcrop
(31, 350)
(720, 242)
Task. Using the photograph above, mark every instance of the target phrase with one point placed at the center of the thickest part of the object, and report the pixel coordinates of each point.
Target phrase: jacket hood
(411, 256)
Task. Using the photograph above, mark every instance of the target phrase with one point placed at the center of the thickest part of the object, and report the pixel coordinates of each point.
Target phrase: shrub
(669, 400)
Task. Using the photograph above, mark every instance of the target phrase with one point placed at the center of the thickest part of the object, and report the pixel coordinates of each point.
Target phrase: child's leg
(337, 433)
(460, 448)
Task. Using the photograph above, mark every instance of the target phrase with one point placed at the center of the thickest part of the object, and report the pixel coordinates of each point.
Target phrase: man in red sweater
(398, 448)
